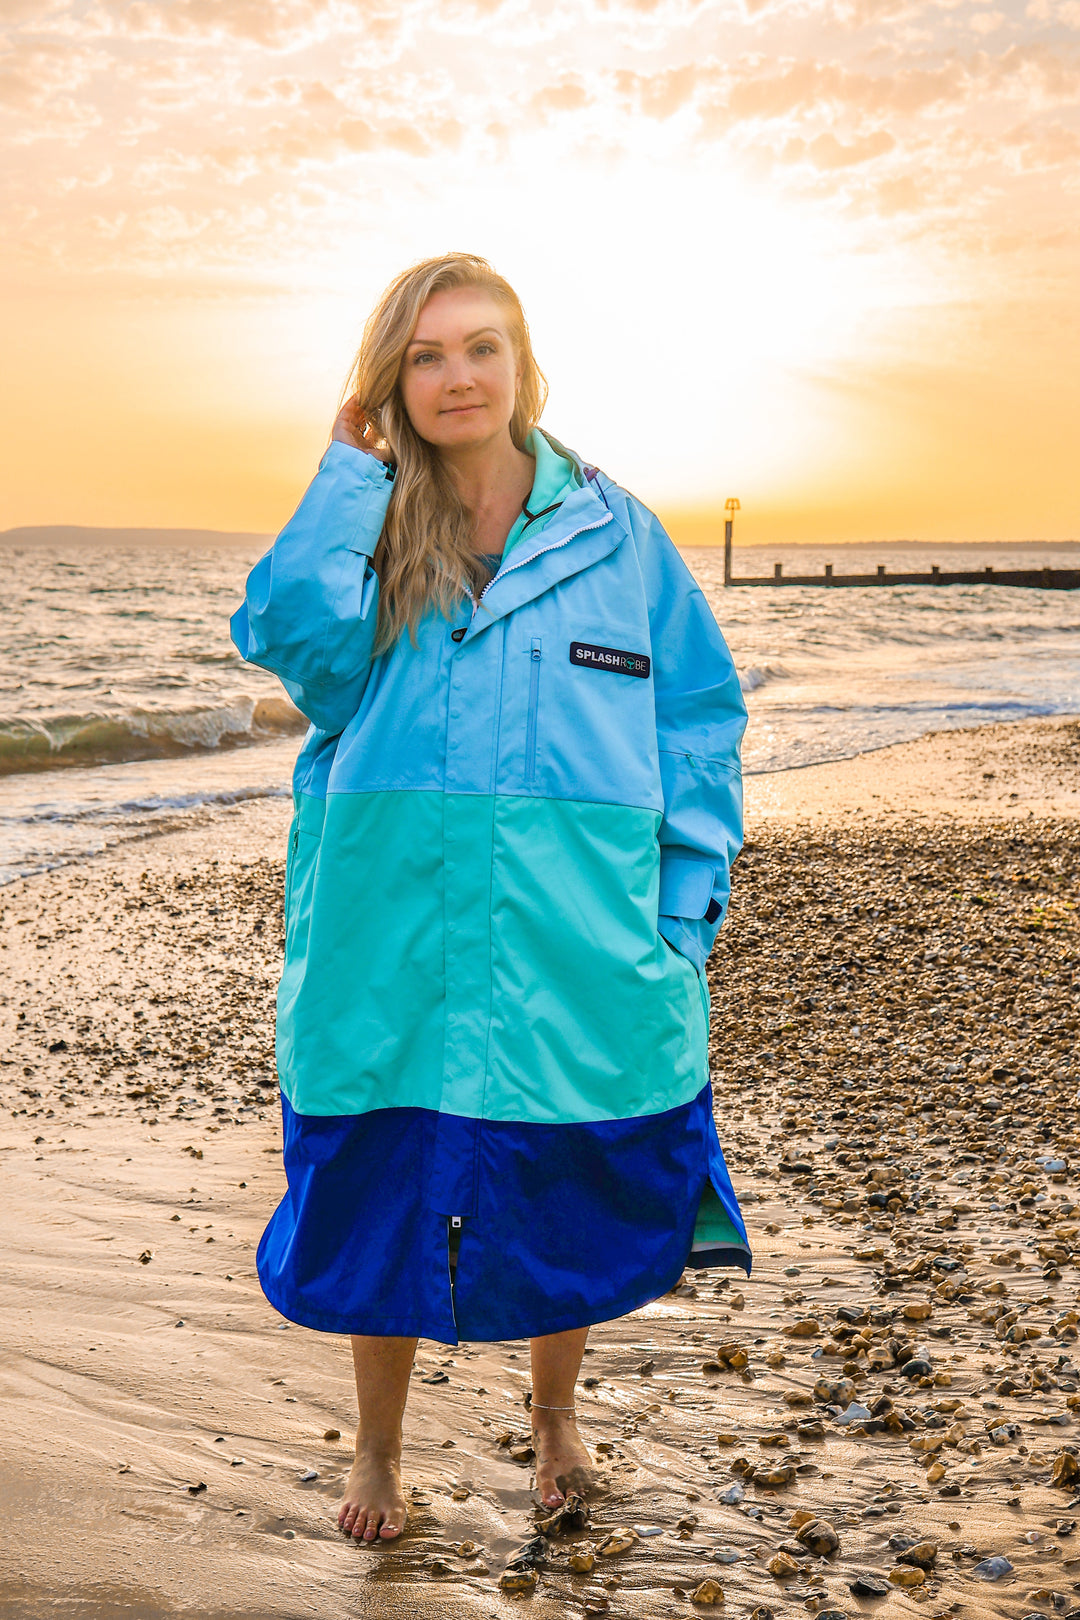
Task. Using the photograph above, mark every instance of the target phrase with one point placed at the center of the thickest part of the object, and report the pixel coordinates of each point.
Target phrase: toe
(359, 1523)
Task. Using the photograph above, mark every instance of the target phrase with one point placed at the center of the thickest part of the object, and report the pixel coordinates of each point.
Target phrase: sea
(125, 710)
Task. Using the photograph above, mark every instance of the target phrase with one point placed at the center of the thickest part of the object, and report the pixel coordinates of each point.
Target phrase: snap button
(456, 635)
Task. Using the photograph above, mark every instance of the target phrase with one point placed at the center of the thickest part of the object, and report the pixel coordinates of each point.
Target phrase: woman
(516, 811)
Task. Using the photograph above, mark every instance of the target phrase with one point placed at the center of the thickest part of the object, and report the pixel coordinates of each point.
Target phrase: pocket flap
(685, 887)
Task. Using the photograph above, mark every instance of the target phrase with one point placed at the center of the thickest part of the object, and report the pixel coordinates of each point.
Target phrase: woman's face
(459, 377)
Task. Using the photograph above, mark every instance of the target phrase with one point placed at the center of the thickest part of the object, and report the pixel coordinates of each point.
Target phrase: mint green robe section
(544, 989)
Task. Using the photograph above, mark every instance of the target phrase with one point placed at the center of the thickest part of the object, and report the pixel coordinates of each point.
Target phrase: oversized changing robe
(509, 858)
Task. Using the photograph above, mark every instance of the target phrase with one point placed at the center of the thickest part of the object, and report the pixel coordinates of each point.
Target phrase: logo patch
(584, 654)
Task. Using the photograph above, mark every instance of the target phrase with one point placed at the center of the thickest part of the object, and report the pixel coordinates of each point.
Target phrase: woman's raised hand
(352, 426)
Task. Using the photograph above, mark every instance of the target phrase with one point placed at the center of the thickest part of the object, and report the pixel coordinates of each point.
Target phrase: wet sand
(895, 1062)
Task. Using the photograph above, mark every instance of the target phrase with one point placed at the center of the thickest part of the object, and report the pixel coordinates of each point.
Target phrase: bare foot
(562, 1463)
(374, 1503)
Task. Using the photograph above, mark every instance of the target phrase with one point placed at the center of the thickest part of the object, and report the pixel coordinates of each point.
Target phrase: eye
(485, 346)
(423, 357)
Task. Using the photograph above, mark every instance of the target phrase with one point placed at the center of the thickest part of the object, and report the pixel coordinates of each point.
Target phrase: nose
(458, 375)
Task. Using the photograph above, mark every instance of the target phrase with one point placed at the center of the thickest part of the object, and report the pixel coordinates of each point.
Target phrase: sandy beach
(895, 1058)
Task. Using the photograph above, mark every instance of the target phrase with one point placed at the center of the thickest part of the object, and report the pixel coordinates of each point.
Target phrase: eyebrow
(433, 343)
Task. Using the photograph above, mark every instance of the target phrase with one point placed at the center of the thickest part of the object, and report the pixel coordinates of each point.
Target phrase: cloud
(826, 152)
(1046, 147)
(272, 24)
(883, 108)
(986, 22)
(568, 95)
(1066, 12)
(33, 72)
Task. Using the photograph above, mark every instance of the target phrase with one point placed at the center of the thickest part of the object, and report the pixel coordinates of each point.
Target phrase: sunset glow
(819, 255)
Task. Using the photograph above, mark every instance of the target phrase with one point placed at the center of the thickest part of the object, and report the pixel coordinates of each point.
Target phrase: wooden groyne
(1037, 579)
(1043, 579)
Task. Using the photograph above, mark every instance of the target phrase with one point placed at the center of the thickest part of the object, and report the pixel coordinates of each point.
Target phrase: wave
(102, 739)
(754, 678)
(151, 804)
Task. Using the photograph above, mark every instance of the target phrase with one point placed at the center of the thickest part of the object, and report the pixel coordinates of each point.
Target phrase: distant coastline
(74, 534)
(67, 534)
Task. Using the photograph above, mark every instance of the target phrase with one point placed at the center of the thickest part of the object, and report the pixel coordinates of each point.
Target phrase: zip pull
(455, 1222)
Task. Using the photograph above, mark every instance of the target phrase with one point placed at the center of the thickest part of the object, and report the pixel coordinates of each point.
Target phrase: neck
(487, 474)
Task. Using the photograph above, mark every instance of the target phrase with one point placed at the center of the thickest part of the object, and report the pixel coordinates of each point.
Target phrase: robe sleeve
(700, 720)
(311, 602)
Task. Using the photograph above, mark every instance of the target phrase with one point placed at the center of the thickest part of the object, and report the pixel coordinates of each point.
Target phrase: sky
(820, 255)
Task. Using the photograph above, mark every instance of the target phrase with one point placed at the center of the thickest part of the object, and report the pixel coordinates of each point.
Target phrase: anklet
(545, 1408)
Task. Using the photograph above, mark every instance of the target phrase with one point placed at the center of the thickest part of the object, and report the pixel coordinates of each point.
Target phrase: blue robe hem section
(562, 1226)
(385, 1327)
(417, 1327)
(606, 1311)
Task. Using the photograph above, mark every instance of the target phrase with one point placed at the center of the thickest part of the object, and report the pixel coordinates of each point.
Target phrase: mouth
(461, 410)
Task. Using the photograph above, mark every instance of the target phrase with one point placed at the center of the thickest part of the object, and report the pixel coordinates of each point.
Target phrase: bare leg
(374, 1504)
(562, 1462)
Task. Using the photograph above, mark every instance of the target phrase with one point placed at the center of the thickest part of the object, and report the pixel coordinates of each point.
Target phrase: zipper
(293, 843)
(586, 529)
(453, 1239)
(534, 700)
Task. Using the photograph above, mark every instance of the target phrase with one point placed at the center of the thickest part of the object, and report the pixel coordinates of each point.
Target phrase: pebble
(868, 1586)
(709, 1591)
(992, 1569)
(308, 1475)
(618, 1541)
(783, 1566)
(518, 1580)
(853, 1414)
(903, 1575)
(922, 1554)
(820, 1537)
(572, 1514)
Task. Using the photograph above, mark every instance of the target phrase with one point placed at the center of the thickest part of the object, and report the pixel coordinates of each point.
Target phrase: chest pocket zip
(291, 863)
(534, 700)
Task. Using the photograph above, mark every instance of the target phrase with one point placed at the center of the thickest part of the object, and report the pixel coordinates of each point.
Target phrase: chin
(471, 429)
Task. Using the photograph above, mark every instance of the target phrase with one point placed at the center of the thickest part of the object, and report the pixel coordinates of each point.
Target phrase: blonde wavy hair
(425, 554)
